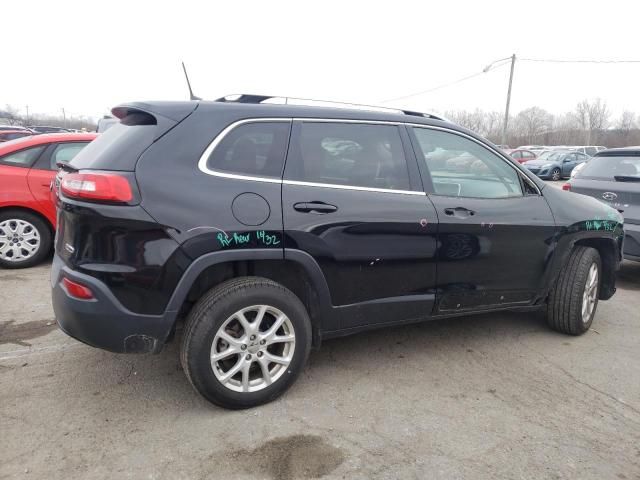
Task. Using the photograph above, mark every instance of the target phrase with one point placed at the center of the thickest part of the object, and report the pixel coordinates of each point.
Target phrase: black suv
(270, 227)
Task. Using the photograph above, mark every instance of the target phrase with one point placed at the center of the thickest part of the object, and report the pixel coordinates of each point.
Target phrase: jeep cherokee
(268, 227)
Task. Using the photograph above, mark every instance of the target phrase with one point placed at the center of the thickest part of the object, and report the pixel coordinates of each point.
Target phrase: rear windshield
(116, 149)
(609, 167)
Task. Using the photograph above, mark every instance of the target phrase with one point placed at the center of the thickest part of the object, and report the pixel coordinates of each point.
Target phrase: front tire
(245, 342)
(573, 300)
(555, 174)
(25, 239)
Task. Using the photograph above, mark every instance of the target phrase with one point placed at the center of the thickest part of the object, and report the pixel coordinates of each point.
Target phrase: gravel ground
(483, 397)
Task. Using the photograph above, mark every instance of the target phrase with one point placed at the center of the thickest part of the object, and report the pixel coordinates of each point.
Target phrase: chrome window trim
(352, 187)
(202, 163)
(487, 147)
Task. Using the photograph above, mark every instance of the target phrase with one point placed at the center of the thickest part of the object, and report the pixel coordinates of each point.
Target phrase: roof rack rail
(277, 100)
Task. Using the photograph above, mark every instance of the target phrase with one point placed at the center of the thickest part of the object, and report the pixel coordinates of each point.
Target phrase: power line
(468, 77)
(559, 60)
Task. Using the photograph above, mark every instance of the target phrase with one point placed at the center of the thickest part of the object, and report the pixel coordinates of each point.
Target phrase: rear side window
(65, 152)
(255, 149)
(460, 167)
(22, 158)
(349, 154)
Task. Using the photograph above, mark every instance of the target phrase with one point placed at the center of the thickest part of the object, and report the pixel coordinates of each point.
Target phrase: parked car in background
(27, 211)
(6, 135)
(14, 128)
(48, 129)
(269, 228)
(590, 150)
(521, 155)
(613, 177)
(577, 168)
(554, 165)
(105, 123)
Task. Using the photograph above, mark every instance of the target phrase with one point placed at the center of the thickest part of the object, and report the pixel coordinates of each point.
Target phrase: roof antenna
(191, 95)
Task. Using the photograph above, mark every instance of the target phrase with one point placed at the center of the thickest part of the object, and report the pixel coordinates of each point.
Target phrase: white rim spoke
(225, 354)
(236, 342)
(232, 371)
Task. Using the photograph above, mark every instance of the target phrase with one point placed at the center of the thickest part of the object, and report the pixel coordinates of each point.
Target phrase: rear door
(44, 171)
(353, 201)
(495, 231)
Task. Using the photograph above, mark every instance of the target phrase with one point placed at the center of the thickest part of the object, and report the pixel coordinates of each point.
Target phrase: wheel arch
(296, 271)
(609, 256)
(40, 215)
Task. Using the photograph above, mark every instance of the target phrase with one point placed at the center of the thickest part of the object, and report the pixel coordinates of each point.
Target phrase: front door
(568, 163)
(495, 229)
(352, 199)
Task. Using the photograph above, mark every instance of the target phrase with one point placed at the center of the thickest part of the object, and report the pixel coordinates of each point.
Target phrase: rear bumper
(103, 322)
(631, 246)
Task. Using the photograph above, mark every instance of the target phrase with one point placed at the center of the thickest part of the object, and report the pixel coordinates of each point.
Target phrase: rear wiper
(66, 167)
(626, 178)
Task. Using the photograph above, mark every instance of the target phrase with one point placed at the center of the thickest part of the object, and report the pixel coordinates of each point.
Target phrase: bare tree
(593, 118)
(533, 123)
(11, 115)
(626, 123)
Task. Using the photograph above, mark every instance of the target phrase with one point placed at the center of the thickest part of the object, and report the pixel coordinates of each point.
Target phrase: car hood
(536, 163)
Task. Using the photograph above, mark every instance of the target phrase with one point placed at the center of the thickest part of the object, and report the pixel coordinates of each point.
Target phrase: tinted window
(255, 149)
(64, 152)
(22, 158)
(528, 155)
(350, 154)
(590, 150)
(607, 168)
(461, 167)
(12, 136)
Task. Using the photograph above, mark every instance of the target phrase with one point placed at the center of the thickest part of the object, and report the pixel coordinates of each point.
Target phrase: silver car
(613, 177)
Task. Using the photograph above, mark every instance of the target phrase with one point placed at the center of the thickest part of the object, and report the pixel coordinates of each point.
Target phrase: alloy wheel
(590, 293)
(253, 348)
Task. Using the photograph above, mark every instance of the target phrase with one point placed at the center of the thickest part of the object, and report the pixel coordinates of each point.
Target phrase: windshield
(607, 168)
(550, 156)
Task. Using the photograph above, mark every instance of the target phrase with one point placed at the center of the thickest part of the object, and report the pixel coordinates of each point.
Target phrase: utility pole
(64, 115)
(506, 111)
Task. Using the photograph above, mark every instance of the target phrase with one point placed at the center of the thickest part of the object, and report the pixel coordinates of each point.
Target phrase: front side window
(349, 154)
(64, 152)
(460, 167)
(254, 149)
(22, 158)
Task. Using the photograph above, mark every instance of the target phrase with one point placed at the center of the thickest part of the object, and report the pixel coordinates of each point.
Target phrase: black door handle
(314, 207)
(460, 212)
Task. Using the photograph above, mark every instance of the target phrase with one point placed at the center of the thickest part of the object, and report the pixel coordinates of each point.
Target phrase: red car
(27, 211)
(521, 155)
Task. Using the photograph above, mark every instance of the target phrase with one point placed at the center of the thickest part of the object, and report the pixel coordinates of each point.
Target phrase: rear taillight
(567, 187)
(77, 290)
(105, 187)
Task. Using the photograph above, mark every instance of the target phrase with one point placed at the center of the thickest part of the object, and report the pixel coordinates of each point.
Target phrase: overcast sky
(89, 56)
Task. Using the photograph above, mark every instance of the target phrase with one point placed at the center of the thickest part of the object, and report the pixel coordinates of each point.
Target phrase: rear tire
(25, 239)
(573, 300)
(232, 328)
